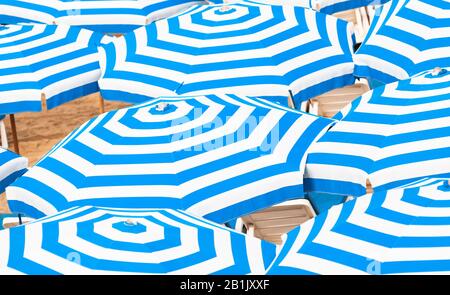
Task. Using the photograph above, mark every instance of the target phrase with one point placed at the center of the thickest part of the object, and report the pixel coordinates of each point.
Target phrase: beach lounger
(272, 223)
(328, 104)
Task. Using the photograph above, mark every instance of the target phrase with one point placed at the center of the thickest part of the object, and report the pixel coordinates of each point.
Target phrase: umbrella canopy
(11, 167)
(334, 6)
(246, 48)
(324, 6)
(219, 157)
(406, 37)
(59, 62)
(301, 3)
(25, 11)
(390, 136)
(106, 16)
(396, 232)
(89, 240)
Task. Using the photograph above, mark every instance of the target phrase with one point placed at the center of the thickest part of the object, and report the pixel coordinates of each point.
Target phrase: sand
(39, 132)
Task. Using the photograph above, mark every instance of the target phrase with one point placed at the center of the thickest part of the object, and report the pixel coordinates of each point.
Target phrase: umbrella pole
(43, 103)
(12, 120)
(291, 102)
(101, 104)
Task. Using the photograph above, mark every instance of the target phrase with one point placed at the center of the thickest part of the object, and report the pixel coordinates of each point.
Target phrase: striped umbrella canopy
(406, 37)
(390, 136)
(90, 240)
(11, 167)
(301, 3)
(401, 231)
(59, 62)
(334, 6)
(247, 48)
(106, 16)
(25, 11)
(324, 6)
(219, 157)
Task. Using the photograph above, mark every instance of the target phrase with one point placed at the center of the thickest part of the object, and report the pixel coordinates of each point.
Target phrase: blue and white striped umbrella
(402, 231)
(301, 3)
(59, 62)
(11, 167)
(324, 6)
(390, 136)
(219, 157)
(89, 240)
(28, 11)
(334, 6)
(406, 37)
(244, 48)
(106, 16)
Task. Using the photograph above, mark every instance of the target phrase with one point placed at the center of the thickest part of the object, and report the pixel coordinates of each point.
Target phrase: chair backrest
(360, 19)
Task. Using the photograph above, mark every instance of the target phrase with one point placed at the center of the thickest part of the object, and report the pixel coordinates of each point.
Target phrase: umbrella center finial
(225, 8)
(162, 106)
(437, 71)
(130, 222)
